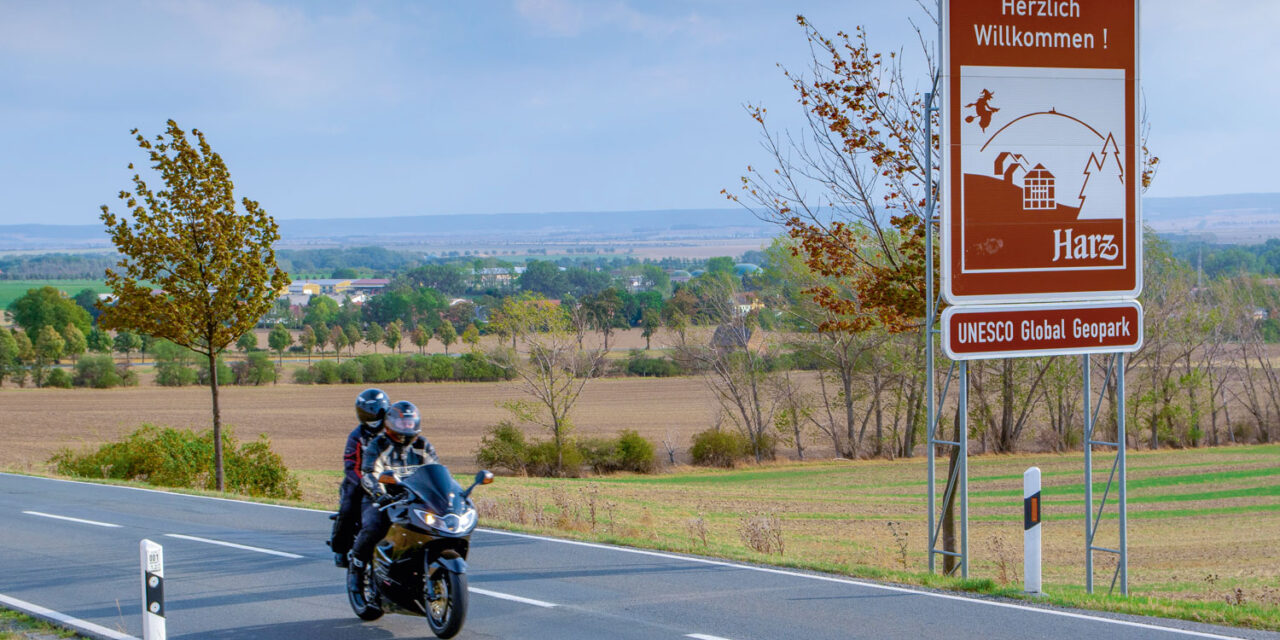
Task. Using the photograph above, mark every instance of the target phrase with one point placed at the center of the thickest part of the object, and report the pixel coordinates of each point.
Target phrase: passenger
(371, 409)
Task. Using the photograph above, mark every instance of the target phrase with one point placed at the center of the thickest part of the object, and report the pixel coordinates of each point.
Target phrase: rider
(371, 408)
(400, 445)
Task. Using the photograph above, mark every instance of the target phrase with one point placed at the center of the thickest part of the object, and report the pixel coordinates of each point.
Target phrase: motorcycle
(420, 566)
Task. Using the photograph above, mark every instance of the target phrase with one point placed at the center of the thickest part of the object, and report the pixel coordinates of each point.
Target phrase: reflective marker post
(1031, 530)
(152, 590)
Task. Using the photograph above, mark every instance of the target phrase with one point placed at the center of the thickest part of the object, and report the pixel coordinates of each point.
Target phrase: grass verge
(19, 626)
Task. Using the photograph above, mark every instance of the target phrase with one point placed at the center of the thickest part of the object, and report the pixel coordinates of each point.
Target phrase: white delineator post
(1031, 530)
(152, 590)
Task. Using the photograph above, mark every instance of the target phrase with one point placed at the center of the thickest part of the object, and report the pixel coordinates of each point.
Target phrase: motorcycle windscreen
(437, 488)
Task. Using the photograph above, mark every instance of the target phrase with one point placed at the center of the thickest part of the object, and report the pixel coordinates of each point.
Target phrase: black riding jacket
(353, 454)
(382, 453)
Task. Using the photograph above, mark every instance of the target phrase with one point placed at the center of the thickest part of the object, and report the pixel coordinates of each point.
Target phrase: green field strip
(1105, 465)
(1247, 492)
(1137, 515)
(834, 477)
(1143, 483)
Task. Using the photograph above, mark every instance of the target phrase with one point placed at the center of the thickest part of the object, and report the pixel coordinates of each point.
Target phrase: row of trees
(23, 358)
(393, 336)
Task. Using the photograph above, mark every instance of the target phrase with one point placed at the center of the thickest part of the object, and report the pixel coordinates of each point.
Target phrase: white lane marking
(62, 618)
(507, 596)
(703, 636)
(869, 585)
(282, 554)
(70, 519)
(169, 493)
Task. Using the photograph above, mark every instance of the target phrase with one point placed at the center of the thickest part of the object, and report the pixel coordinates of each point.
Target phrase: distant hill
(1247, 217)
(593, 224)
(1166, 209)
(1240, 218)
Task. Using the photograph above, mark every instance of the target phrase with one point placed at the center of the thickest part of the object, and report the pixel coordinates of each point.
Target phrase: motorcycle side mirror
(388, 477)
(482, 477)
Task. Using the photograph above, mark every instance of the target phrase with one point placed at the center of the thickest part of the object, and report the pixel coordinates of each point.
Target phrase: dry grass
(859, 517)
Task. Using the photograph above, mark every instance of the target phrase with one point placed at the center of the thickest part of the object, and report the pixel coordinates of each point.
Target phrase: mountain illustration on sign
(1022, 186)
(984, 110)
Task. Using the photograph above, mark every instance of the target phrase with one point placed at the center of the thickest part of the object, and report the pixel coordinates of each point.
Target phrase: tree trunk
(879, 446)
(913, 415)
(852, 439)
(948, 509)
(217, 422)
(795, 426)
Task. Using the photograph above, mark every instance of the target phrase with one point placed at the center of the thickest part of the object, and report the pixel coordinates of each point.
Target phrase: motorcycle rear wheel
(364, 602)
(447, 612)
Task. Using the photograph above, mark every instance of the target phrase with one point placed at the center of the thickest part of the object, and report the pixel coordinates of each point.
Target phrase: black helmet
(371, 406)
(403, 423)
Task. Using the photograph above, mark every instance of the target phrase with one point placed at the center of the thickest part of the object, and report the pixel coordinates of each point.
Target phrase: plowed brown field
(309, 424)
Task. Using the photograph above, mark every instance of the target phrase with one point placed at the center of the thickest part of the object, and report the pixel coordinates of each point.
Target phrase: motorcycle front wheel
(446, 601)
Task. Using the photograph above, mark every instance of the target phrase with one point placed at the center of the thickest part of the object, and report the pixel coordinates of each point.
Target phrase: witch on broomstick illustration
(984, 109)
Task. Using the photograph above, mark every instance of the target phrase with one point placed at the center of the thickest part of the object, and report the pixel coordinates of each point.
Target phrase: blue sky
(336, 109)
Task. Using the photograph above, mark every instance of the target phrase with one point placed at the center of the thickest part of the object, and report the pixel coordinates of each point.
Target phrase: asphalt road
(280, 582)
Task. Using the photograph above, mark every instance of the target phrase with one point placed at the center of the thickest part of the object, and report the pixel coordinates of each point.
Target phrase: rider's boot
(355, 574)
(340, 560)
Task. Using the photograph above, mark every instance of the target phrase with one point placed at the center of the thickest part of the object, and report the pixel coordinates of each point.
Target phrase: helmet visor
(401, 424)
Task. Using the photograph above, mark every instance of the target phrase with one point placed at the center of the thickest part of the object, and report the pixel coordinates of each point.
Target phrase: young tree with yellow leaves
(209, 264)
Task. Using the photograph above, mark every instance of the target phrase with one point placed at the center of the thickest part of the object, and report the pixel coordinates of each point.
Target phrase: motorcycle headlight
(452, 523)
(467, 520)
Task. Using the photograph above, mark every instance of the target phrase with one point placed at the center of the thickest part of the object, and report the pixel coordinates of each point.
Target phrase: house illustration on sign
(1038, 191)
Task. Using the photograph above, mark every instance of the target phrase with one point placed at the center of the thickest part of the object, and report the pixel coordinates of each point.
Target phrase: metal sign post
(152, 590)
(957, 486)
(1117, 480)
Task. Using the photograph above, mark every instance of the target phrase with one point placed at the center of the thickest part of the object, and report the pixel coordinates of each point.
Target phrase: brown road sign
(1042, 152)
(1045, 329)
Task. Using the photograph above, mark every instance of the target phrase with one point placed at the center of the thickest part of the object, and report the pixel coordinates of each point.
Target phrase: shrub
(439, 367)
(303, 376)
(635, 453)
(475, 368)
(640, 365)
(225, 375)
(351, 372)
(395, 367)
(255, 370)
(628, 452)
(179, 458)
(175, 375)
(540, 459)
(416, 369)
(325, 372)
(373, 367)
(172, 364)
(717, 448)
(503, 447)
(101, 372)
(58, 378)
